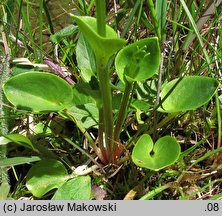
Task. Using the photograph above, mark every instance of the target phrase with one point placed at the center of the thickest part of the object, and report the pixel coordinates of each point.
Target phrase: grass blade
(130, 19)
(48, 17)
(154, 16)
(29, 29)
(161, 13)
(187, 43)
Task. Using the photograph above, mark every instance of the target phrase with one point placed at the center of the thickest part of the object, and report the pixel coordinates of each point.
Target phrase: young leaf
(155, 157)
(138, 61)
(103, 47)
(38, 92)
(78, 188)
(45, 176)
(187, 94)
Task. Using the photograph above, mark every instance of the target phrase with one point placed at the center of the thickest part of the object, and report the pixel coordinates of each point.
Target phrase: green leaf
(138, 61)
(155, 157)
(78, 188)
(80, 91)
(87, 114)
(38, 92)
(187, 94)
(6, 162)
(63, 33)
(85, 58)
(103, 47)
(86, 92)
(45, 176)
(16, 138)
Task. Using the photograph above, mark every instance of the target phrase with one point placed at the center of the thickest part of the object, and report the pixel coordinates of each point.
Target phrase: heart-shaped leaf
(138, 61)
(155, 157)
(187, 94)
(78, 188)
(45, 176)
(38, 92)
(103, 47)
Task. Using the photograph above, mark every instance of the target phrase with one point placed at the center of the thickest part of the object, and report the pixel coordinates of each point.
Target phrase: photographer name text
(49, 207)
